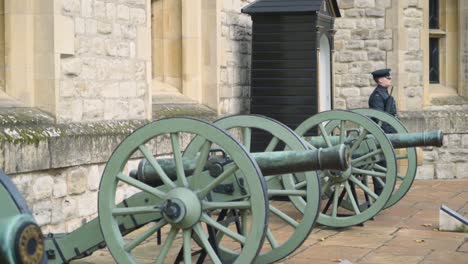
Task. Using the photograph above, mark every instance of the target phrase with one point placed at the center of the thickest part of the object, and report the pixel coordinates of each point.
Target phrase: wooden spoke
(272, 145)
(336, 193)
(368, 172)
(135, 210)
(206, 244)
(226, 205)
(351, 198)
(178, 159)
(145, 235)
(167, 245)
(142, 186)
(364, 187)
(205, 151)
(366, 156)
(287, 193)
(247, 137)
(325, 135)
(283, 216)
(240, 238)
(358, 141)
(271, 238)
(154, 163)
(187, 246)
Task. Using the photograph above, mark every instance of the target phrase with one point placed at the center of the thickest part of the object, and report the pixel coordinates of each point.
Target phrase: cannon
(351, 199)
(197, 193)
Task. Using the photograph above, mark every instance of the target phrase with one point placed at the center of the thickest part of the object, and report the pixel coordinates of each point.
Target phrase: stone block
(64, 34)
(376, 55)
(71, 66)
(127, 90)
(143, 43)
(71, 7)
(111, 11)
(87, 8)
(375, 12)
(79, 26)
(366, 23)
(64, 209)
(461, 170)
(60, 187)
(129, 31)
(425, 172)
(346, 4)
(70, 111)
(355, 44)
(360, 34)
(42, 212)
(99, 9)
(137, 109)
(42, 187)
(350, 92)
(93, 109)
(25, 157)
(386, 44)
(345, 23)
(116, 109)
(94, 178)
(412, 12)
(123, 12)
(445, 170)
(364, 3)
(87, 203)
(410, 22)
(77, 180)
(356, 103)
(355, 12)
(138, 16)
(91, 26)
(104, 28)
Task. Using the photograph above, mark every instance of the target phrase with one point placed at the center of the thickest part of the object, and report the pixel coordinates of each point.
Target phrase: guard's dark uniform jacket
(381, 100)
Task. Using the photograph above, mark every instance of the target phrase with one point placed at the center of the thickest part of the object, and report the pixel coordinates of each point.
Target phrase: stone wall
(361, 45)
(234, 61)
(105, 75)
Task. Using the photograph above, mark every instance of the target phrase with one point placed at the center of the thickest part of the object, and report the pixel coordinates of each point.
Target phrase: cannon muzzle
(270, 163)
(403, 140)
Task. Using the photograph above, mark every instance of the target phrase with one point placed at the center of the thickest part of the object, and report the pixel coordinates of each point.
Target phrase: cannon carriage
(210, 197)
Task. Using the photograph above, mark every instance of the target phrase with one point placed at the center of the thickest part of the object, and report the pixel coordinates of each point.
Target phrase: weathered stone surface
(461, 170)
(425, 172)
(42, 212)
(123, 12)
(87, 203)
(445, 170)
(60, 187)
(42, 187)
(71, 66)
(77, 180)
(28, 156)
(64, 209)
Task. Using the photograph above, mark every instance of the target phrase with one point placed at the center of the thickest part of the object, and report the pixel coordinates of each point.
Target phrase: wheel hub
(182, 208)
(336, 177)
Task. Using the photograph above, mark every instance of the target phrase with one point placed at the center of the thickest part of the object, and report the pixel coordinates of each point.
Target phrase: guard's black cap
(381, 73)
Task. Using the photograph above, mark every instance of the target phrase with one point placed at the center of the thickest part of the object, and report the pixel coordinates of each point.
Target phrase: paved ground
(406, 233)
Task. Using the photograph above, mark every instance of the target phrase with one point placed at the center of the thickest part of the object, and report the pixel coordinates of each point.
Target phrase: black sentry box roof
(289, 6)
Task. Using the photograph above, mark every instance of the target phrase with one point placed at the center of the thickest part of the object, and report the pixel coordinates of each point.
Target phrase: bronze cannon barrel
(402, 140)
(270, 163)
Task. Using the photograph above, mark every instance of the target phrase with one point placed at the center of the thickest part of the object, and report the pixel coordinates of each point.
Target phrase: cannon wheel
(181, 205)
(242, 126)
(339, 186)
(404, 179)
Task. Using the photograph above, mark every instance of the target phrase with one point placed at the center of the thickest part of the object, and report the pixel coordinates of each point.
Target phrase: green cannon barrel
(270, 163)
(406, 140)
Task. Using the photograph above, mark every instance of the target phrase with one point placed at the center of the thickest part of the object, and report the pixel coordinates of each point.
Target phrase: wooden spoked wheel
(182, 206)
(300, 222)
(368, 146)
(406, 156)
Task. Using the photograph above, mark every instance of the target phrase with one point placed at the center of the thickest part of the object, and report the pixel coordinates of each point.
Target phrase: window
(442, 48)
(434, 60)
(434, 47)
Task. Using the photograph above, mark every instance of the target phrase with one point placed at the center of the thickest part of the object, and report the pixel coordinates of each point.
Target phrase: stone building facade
(78, 75)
